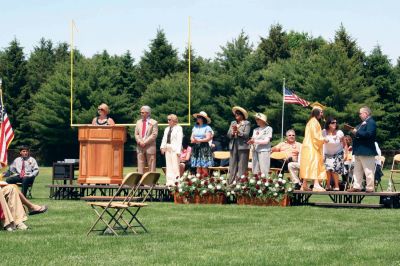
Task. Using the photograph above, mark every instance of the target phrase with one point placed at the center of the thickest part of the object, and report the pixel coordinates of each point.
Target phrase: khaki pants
(261, 162)
(364, 165)
(172, 164)
(12, 207)
(144, 157)
(294, 168)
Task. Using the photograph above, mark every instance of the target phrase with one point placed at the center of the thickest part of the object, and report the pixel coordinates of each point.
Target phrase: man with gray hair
(146, 132)
(364, 151)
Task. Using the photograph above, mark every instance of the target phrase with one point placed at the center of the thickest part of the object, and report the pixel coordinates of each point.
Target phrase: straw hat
(317, 105)
(261, 116)
(240, 109)
(203, 114)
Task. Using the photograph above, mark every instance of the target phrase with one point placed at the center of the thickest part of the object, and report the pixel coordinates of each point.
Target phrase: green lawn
(206, 235)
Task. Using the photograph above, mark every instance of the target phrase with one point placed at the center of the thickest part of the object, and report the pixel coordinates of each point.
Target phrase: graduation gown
(311, 157)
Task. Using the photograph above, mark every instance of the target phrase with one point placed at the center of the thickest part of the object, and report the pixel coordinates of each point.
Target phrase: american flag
(291, 97)
(6, 136)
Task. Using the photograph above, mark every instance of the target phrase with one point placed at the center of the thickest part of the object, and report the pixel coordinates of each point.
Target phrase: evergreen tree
(13, 71)
(161, 60)
(276, 46)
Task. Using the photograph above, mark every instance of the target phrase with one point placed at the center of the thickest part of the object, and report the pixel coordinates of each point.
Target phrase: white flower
(262, 175)
(215, 174)
(232, 192)
(202, 182)
(289, 189)
(280, 175)
(273, 189)
(228, 193)
(234, 182)
(284, 181)
(280, 179)
(194, 179)
(243, 187)
(221, 177)
(237, 186)
(267, 184)
(259, 182)
(179, 185)
(223, 182)
(185, 174)
(259, 191)
(210, 186)
(180, 190)
(252, 181)
(276, 185)
(218, 187)
(275, 194)
(242, 176)
(197, 175)
(204, 191)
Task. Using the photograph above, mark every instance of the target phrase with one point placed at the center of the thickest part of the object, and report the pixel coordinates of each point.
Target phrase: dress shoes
(354, 190)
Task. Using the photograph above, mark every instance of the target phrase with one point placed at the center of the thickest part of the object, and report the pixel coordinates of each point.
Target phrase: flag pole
(1, 93)
(283, 106)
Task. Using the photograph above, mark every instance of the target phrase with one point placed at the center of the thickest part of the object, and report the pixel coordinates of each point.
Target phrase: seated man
(292, 148)
(12, 211)
(23, 170)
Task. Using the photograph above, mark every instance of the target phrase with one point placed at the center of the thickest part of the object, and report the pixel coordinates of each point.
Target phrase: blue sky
(122, 25)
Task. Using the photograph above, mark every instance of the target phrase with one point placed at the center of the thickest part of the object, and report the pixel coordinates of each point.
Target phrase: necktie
(22, 174)
(169, 135)
(143, 128)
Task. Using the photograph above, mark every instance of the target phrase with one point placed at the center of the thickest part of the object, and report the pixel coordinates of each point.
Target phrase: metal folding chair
(393, 171)
(109, 208)
(279, 155)
(220, 155)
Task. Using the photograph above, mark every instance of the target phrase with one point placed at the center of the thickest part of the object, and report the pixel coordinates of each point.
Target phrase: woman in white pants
(261, 141)
(171, 146)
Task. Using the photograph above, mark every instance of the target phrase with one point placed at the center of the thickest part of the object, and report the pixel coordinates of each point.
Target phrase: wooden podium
(101, 154)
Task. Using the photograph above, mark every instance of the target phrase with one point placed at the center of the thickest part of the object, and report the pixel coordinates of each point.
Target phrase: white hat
(203, 114)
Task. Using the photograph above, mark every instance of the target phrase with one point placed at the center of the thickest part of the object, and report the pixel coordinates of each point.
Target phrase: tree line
(337, 73)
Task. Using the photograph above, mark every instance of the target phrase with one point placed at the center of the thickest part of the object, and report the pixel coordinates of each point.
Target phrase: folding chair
(394, 170)
(378, 171)
(116, 209)
(220, 155)
(101, 208)
(279, 155)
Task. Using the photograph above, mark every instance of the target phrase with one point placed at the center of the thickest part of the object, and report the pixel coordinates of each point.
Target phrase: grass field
(206, 235)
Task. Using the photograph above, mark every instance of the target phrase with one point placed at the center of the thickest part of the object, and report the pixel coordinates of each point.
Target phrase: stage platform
(75, 192)
(347, 199)
(300, 198)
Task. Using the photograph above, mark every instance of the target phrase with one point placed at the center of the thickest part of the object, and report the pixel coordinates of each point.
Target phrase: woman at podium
(102, 119)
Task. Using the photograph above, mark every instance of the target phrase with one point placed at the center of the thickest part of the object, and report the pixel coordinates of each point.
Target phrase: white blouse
(334, 145)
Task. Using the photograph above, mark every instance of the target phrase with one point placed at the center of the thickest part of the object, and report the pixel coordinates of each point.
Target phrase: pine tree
(275, 46)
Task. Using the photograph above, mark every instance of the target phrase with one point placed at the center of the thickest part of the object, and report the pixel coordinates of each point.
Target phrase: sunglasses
(100, 109)
(333, 122)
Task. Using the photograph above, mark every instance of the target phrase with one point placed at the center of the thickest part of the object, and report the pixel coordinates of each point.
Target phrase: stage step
(353, 205)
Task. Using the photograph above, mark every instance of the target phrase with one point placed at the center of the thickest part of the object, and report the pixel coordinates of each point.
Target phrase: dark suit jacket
(364, 140)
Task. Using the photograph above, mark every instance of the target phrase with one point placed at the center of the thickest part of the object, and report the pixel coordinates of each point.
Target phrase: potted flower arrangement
(261, 190)
(199, 189)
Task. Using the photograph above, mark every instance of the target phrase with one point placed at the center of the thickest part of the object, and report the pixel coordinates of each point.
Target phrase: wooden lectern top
(102, 133)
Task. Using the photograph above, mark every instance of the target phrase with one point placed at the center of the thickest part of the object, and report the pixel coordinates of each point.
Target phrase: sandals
(42, 209)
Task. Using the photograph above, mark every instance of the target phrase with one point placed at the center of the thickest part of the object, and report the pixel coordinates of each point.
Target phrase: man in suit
(146, 132)
(364, 151)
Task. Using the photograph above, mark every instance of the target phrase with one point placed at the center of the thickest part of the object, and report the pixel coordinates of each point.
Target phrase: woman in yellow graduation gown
(311, 157)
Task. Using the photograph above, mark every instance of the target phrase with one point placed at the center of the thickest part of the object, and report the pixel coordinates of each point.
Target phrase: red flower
(176, 183)
(212, 180)
(190, 183)
(206, 183)
(257, 186)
